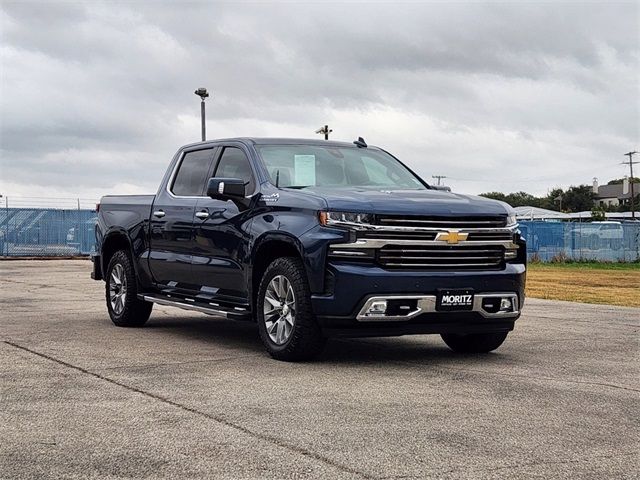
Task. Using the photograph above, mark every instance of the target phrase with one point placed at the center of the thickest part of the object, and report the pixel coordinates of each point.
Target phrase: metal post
(325, 131)
(202, 117)
(631, 163)
(202, 93)
(6, 222)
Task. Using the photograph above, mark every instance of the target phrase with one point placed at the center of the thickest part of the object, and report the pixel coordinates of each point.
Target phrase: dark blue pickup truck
(312, 239)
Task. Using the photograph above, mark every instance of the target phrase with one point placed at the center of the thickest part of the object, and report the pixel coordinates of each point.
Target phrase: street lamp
(324, 131)
(202, 93)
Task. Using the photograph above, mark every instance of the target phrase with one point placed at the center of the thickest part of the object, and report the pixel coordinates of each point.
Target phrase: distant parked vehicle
(596, 235)
(82, 238)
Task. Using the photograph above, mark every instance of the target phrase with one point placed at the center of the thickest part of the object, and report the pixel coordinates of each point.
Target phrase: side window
(192, 173)
(235, 164)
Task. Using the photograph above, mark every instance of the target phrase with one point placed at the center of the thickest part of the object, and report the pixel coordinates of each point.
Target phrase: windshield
(299, 166)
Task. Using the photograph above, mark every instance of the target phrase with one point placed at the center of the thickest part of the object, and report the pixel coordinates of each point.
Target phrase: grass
(586, 282)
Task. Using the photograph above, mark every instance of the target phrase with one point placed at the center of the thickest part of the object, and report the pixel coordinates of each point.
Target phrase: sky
(96, 97)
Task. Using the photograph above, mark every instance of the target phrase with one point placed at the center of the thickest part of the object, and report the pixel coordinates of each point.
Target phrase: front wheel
(475, 342)
(125, 309)
(287, 326)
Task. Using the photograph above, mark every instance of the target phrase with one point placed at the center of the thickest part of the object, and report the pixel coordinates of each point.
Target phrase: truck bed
(126, 211)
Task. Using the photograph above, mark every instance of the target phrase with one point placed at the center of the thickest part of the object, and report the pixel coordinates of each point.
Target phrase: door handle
(159, 213)
(202, 215)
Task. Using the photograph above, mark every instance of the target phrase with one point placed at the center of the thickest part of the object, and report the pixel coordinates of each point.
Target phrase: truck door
(171, 223)
(221, 232)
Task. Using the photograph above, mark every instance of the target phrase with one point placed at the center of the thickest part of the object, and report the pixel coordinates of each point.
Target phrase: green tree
(578, 199)
(618, 181)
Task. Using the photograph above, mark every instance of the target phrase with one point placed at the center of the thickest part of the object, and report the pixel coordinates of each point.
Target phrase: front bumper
(354, 285)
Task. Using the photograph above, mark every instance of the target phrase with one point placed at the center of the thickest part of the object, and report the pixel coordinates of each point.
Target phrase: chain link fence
(46, 227)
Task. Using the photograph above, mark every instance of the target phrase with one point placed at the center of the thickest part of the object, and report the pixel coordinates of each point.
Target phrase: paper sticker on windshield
(304, 170)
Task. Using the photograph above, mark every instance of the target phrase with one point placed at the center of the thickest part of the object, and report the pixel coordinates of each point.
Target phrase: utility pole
(631, 163)
(559, 199)
(202, 93)
(439, 177)
(325, 130)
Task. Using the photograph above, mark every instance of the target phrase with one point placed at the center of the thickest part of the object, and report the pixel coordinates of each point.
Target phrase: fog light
(377, 308)
(506, 305)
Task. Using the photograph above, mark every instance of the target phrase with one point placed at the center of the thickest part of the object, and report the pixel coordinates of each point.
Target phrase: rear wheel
(475, 342)
(125, 309)
(287, 326)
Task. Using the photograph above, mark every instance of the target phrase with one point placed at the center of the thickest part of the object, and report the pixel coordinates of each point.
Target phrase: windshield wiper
(298, 187)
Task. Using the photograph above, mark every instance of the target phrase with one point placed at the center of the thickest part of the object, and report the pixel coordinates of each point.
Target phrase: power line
(439, 177)
(631, 163)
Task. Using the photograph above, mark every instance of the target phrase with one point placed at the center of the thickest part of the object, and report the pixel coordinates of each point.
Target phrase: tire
(121, 291)
(474, 343)
(287, 326)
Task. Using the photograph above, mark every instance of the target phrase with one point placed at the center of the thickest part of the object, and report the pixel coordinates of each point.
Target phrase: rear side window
(192, 173)
(235, 164)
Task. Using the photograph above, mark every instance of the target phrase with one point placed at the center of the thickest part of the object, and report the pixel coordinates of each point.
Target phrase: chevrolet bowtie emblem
(452, 236)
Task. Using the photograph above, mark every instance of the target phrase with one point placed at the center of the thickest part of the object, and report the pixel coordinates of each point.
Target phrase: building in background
(613, 195)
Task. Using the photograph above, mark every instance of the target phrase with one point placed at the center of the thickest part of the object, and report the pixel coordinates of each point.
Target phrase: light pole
(202, 93)
(324, 131)
(631, 163)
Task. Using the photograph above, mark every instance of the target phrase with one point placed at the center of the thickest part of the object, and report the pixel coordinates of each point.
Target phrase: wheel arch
(114, 241)
(266, 249)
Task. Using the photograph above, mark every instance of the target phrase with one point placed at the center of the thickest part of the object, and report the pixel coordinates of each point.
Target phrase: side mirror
(225, 188)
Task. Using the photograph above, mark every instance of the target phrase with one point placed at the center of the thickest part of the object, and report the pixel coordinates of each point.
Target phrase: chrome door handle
(202, 215)
(159, 213)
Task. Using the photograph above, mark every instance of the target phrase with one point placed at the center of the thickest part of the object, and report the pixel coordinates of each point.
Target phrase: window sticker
(304, 170)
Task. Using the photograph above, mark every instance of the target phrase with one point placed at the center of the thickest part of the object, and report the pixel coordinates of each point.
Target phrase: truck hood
(408, 202)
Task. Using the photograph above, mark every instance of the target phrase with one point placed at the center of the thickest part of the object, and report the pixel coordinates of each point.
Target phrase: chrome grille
(496, 221)
(485, 236)
(398, 235)
(441, 257)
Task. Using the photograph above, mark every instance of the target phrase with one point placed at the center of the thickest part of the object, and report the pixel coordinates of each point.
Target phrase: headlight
(511, 220)
(345, 219)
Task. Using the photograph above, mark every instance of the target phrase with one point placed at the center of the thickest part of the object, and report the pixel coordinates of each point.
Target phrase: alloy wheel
(117, 289)
(279, 309)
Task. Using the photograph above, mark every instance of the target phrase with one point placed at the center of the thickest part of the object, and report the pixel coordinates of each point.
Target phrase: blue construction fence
(600, 241)
(44, 232)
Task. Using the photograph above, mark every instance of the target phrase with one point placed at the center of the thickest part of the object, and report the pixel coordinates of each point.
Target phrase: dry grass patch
(612, 285)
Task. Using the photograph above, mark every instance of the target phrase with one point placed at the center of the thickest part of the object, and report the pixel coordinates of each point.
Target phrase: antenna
(360, 143)
(278, 178)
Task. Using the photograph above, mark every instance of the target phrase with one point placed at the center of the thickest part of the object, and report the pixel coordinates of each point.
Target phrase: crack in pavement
(216, 418)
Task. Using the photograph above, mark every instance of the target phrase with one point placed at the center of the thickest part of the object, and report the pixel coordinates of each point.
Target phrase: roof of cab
(278, 141)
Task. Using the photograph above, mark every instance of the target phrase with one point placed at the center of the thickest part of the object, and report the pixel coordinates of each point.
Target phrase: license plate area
(454, 299)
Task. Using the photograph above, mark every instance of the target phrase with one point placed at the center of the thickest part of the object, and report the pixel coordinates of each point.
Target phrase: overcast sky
(96, 97)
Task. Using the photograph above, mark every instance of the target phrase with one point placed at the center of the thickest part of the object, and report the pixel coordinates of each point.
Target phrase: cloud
(96, 97)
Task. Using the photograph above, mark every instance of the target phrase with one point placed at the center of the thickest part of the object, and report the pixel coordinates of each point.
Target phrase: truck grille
(496, 221)
(420, 235)
(442, 257)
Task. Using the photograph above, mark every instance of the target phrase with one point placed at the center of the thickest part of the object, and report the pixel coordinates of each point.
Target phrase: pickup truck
(312, 239)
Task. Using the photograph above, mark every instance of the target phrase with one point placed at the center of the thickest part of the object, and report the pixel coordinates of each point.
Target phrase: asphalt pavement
(191, 396)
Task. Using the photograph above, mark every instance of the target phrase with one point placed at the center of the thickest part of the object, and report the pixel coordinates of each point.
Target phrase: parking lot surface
(191, 396)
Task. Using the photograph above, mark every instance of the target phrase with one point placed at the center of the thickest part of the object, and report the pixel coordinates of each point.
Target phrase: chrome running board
(194, 307)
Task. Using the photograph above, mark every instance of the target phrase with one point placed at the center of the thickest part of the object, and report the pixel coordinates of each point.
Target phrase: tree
(578, 199)
(618, 181)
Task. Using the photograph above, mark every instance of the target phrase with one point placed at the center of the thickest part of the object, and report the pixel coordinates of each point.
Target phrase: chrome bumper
(427, 304)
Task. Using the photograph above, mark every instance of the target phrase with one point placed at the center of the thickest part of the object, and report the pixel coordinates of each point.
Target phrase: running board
(237, 315)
